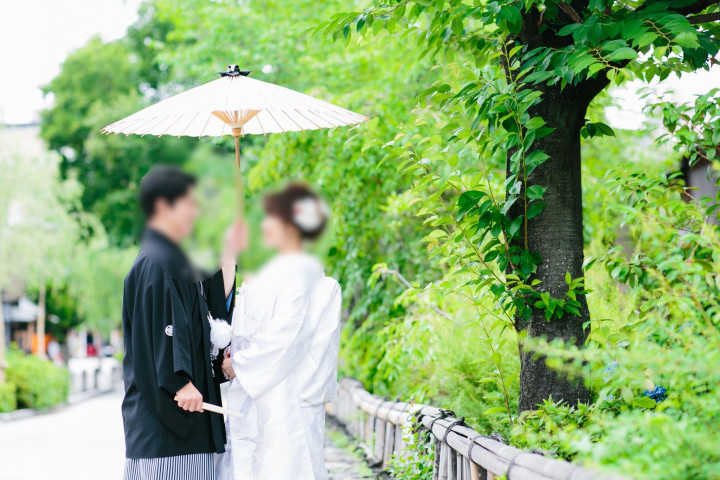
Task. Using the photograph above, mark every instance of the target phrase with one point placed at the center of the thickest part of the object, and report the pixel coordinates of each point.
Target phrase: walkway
(85, 442)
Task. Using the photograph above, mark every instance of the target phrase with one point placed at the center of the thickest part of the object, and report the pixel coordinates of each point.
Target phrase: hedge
(39, 384)
(8, 397)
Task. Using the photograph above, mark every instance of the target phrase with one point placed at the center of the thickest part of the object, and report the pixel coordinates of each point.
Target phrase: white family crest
(169, 330)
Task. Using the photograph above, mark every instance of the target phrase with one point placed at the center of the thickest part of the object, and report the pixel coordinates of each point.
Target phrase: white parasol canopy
(235, 101)
(236, 105)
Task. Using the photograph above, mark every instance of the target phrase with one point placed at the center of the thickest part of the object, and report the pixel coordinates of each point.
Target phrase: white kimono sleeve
(317, 372)
(274, 352)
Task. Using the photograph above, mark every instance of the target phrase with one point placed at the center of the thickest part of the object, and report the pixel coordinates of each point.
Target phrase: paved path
(85, 442)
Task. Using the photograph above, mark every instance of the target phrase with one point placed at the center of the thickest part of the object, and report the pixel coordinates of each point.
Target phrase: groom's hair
(163, 181)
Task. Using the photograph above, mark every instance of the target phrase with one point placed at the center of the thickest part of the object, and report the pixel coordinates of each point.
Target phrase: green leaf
(512, 16)
(468, 200)
(687, 39)
(535, 209)
(597, 5)
(597, 129)
(515, 225)
(494, 396)
(494, 410)
(533, 160)
(535, 123)
(536, 192)
(643, 402)
(623, 53)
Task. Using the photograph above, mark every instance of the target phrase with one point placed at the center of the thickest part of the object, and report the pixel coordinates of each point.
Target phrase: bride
(282, 360)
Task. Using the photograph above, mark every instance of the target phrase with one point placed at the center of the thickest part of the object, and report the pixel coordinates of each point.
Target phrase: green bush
(40, 384)
(8, 397)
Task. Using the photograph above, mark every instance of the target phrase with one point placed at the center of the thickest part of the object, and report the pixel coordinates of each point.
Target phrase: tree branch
(404, 281)
(696, 7)
(567, 8)
(706, 18)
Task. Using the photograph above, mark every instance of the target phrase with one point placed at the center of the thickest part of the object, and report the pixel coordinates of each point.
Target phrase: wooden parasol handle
(237, 133)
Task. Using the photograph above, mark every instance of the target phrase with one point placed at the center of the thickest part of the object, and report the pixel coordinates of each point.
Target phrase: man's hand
(227, 366)
(189, 398)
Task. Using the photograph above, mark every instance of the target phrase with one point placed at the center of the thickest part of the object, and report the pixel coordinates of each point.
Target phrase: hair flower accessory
(310, 213)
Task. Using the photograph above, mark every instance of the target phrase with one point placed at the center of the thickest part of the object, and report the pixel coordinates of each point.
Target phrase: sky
(37, 35)
(627, 111)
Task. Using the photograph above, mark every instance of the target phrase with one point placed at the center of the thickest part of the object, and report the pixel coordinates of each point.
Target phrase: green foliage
(63, 305)
(544, 426)
(96, 281)
(96, 72)
(663, 276)
(417, 459)
(694, 130)
(8, 397)
(493, 83)
(40, 384)
(500, 64)
(99, 84)
(51, 241)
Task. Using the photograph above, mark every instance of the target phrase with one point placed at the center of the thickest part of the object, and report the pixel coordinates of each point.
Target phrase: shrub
(8, 397)
(40, 384)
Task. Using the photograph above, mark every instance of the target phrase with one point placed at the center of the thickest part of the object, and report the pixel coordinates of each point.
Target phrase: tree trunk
(557, 235)
(41, 322)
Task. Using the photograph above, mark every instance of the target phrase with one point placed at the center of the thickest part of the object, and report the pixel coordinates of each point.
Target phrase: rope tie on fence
(451, 426)
(472, 445)
(404, 409)
(443, 414)
(378, 407)
(512, 464)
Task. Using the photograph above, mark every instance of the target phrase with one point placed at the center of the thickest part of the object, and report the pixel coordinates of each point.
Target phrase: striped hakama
(197, 466)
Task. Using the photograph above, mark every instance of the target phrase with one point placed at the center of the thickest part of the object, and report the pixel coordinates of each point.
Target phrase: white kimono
(286, 333)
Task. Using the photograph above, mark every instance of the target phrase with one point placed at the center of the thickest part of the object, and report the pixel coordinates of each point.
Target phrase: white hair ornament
(309, 213)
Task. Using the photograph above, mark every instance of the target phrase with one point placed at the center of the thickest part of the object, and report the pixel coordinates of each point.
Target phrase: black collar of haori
(167, 252)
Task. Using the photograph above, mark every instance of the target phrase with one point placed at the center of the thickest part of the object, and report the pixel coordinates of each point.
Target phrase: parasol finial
(234, 71)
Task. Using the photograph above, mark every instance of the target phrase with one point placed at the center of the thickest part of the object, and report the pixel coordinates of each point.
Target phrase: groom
(166, 303)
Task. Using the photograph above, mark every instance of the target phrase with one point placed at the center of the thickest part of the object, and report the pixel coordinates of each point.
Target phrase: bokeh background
(69, 222)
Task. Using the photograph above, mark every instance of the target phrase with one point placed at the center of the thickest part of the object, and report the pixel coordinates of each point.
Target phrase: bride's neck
(292, 245)
(290, 248)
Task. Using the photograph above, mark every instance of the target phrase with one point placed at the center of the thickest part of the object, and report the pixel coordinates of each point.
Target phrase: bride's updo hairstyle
(300, 207)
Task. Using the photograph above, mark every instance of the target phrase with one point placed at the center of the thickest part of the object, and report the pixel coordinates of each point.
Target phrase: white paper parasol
(236, 105)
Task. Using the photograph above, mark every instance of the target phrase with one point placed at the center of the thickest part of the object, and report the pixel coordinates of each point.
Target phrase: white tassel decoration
(220, 335)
